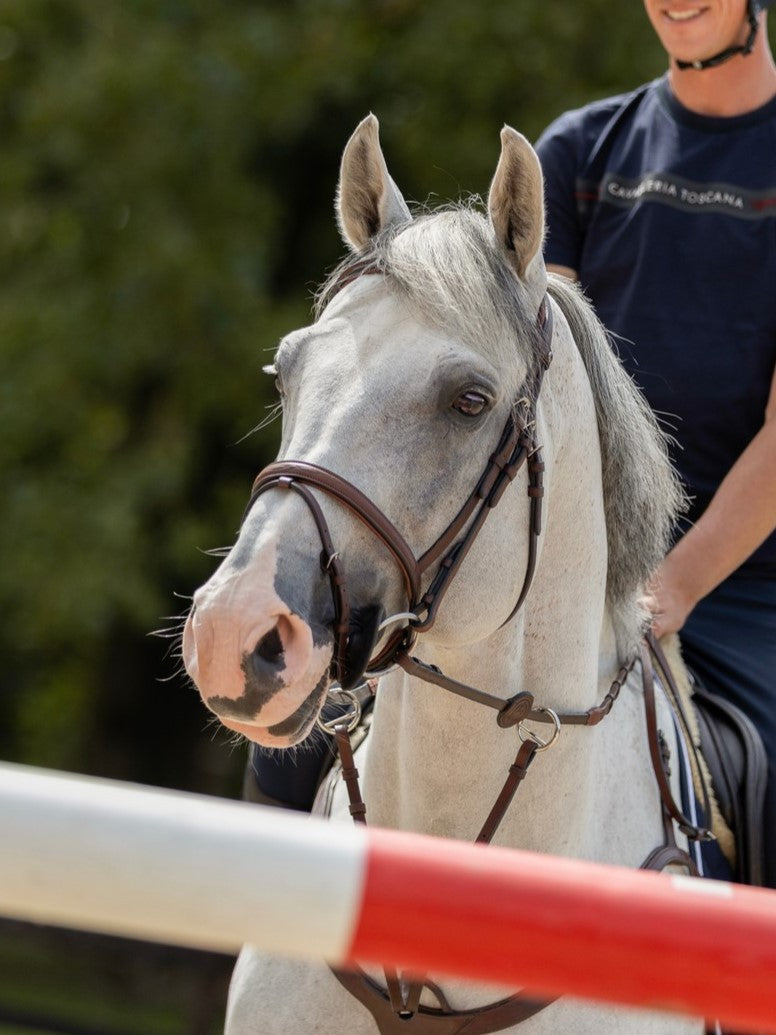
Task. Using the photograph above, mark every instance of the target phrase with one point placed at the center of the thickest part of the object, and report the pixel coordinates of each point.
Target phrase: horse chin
(290, 731)
(261, 735)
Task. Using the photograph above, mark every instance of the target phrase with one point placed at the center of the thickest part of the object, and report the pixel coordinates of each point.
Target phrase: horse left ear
(367, 198)
(516, 201)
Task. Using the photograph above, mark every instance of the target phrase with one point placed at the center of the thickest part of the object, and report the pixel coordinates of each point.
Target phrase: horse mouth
(291, 730)
(299, 724)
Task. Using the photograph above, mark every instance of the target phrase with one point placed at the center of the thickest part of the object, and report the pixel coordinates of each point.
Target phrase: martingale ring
(541, 745)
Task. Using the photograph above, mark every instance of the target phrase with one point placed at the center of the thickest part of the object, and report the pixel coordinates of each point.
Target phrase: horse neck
(437, 762)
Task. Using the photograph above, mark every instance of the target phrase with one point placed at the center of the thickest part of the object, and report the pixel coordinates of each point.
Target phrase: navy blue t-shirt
(669, 218)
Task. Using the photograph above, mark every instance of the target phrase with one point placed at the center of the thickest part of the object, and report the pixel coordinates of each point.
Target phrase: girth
(443, 1021)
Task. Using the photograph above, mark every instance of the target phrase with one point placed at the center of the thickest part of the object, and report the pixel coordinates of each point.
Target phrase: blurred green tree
(167, 171)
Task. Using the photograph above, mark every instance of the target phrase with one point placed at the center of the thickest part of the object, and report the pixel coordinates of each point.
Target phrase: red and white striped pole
(197, 871)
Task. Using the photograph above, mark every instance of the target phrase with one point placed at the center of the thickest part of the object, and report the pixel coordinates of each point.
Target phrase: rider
(662, 203)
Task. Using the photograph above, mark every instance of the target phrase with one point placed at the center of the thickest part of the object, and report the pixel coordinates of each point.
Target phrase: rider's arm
(565, 271)
(558, 149)
(742, 513)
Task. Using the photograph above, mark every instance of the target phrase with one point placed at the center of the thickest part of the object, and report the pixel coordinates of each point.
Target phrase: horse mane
(447, 265)
(642, 493)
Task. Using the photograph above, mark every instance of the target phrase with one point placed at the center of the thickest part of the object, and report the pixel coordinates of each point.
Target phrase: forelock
(447, 266)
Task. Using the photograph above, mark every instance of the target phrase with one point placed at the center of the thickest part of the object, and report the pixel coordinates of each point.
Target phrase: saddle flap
(735, 755)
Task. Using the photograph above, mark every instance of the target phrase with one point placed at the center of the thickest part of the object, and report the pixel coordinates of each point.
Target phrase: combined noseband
(400, 1002)
(517, 446)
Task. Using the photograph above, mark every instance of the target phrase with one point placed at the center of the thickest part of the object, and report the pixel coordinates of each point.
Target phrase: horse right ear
(367, 198)
(516, 202)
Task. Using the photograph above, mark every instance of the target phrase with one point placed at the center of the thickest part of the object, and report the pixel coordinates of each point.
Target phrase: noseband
(517, 446)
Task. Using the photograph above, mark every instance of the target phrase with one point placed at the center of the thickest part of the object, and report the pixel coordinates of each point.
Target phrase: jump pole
(190, 870)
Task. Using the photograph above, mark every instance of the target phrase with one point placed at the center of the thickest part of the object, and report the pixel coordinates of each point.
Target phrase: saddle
(735, 756)
(732, 756)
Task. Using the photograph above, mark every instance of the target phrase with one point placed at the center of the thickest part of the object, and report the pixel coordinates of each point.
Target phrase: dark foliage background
(167, 170)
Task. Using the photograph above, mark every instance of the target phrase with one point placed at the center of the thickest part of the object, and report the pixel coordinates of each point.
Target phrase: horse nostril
(270, 648)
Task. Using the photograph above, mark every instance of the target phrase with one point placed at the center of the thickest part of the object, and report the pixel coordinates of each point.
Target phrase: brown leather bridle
(517, 446)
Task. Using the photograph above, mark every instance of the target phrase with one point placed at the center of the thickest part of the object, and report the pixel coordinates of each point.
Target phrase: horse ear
(516, 201)
(367, 198)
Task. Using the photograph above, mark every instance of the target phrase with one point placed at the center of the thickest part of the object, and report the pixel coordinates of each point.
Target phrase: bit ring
(410, 616)
(351, 718)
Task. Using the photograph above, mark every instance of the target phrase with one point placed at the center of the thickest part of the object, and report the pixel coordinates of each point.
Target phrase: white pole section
(173, 867)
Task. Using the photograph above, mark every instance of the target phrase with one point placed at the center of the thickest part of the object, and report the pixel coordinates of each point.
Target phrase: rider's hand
(667, 599)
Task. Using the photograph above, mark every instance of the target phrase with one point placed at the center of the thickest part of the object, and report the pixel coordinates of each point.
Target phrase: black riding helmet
(753, 10)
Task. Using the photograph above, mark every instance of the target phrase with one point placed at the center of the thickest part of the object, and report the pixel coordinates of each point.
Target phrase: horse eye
(470, 404)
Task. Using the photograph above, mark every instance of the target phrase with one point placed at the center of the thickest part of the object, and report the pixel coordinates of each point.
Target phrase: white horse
(429, 344)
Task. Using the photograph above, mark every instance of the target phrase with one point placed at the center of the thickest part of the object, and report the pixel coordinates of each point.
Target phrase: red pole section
(554, 926)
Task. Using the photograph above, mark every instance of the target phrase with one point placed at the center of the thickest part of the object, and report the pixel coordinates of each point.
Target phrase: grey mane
(448, 267)
(642, 493)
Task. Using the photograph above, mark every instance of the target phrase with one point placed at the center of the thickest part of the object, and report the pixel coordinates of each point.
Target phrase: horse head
(402, 385)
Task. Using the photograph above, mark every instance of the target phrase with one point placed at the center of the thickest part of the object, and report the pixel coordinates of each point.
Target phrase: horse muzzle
(256, 663)
(261, 657)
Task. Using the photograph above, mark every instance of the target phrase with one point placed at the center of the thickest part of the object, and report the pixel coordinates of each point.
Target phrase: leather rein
(517, 446)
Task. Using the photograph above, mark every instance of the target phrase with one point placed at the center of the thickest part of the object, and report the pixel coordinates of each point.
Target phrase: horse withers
(469, 493)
